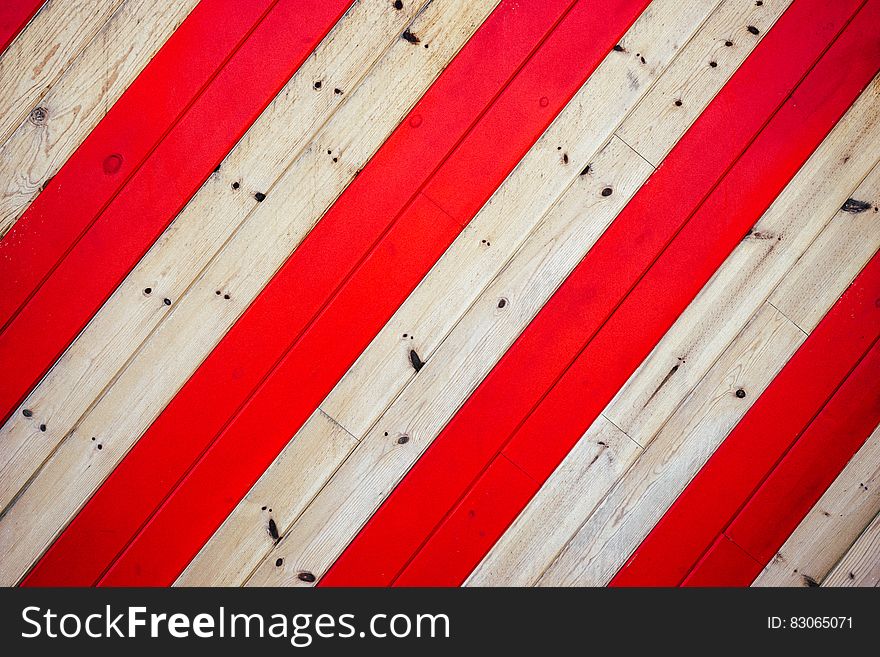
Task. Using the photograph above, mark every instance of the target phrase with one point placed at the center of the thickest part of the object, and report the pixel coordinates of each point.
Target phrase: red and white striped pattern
(543, 292)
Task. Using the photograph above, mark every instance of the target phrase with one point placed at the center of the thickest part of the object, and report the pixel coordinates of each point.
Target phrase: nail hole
(317, 84)
(226, 296)
(740, 393)
(607, 191)
(167, 302)
(409, 36)
(713, 64)
(100, 446)
(43, 427)
(398, 5)
(753, 29)
(403, 440)
(27, 412)
(678, 103)
(260, 196)
(502, 302)
(306, 576)
(728, 43)
(148, 291)
(279, 562)
(236, 185)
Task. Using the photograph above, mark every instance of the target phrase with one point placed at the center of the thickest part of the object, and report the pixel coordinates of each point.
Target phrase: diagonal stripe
(751, 450)
(538, 446)
(66, 270)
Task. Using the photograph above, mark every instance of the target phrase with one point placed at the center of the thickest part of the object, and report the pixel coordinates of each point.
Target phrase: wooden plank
(832, 526)
(66, 270)
(486, 246)
(529, 545)
(531, 408)
(38, 57)
(198, 320)
(14, 16)
(266, 355)
(117, 332)
(861, 564)
(686, 441)
(676, 101)
(81, 98)
(730, 299)
(281, 494)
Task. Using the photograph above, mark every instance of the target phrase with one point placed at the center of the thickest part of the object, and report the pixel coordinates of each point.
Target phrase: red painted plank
(387, 187)
(550, 344)
(725, 564)
(144, 164)
(812, 464)
(566, 55)
(760, 439)
(14, 15)
(487, 510)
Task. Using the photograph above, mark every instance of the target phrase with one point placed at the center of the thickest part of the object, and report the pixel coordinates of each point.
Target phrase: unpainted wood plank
(750, 273)
(42, 52)
(838, 254)
(292, 480)
(196, 322)
(259, 160)
(632, 507)
(860, 566)
(525, 550)
(832, 526)
(81, 97)
(678, 98)
(504, 223)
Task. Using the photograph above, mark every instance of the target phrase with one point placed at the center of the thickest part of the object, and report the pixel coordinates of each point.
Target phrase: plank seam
(647, 161)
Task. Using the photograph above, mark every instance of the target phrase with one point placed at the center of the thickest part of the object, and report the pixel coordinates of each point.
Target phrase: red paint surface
(581, 348)
(133, 174)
